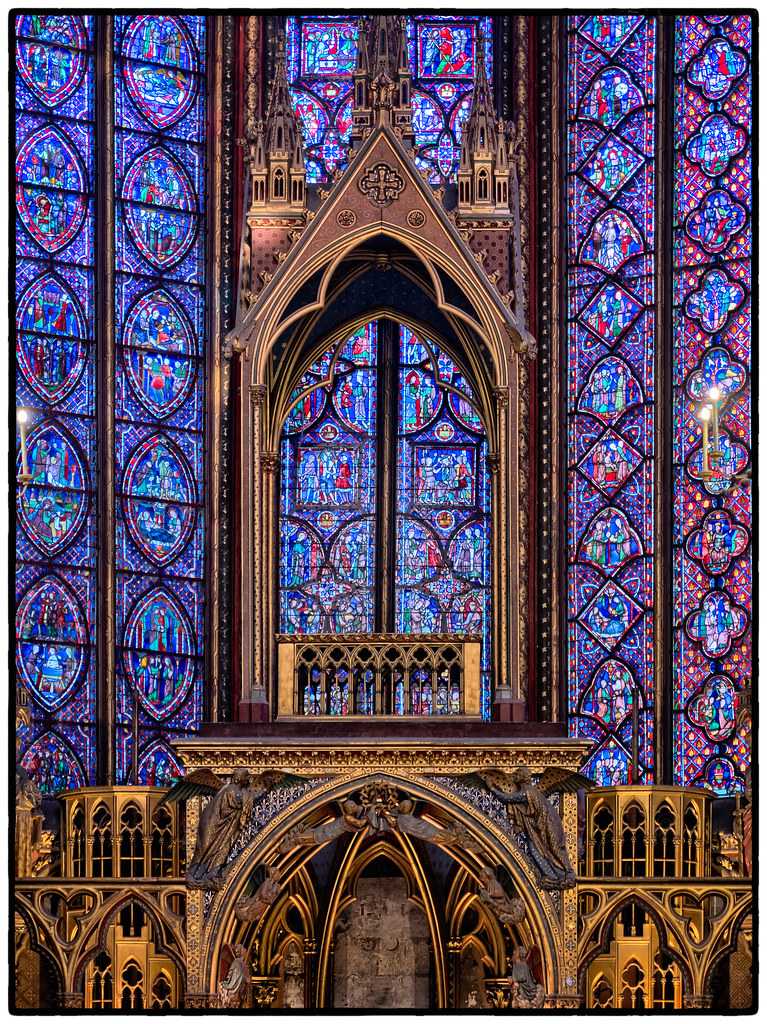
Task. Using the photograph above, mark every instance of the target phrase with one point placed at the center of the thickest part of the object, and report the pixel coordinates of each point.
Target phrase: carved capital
(501, 396)
(257, 394)
(270, 461)
(265, 992)
(233, 346)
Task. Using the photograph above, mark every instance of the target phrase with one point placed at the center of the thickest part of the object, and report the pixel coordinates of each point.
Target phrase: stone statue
(351, 819)
(33, 844)
(221, 821)
(526, 992)
(223, 818)
(509, 910)
(378, 808)
(531, 814)
(234, 989)
(250, 908)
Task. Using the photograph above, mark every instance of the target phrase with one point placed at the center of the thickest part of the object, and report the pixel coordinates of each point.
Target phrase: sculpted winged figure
(531, 814)
(223, 817)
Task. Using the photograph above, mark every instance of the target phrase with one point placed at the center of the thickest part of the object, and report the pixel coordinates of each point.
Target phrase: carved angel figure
(234, 989)
(526, 992)
(222, 819)
(351, 819)
(250, 908)
(531, 814)
(509, 910)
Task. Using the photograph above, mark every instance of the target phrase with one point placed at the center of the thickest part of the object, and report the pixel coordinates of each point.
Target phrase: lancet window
(385, 496)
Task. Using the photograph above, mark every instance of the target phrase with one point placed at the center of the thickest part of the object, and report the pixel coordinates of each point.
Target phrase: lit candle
(704, 416)
(716, 396)
(23, 418)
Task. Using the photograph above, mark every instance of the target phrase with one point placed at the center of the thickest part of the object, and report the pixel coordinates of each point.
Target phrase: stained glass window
(611, 139)
(443, 52)
(712, 350)
(55, 384)
(160, 124)
(322, 55)
(443, 501)
(335, 575)
(328, 496)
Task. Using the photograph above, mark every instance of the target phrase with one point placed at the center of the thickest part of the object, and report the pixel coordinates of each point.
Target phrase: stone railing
(378, 674)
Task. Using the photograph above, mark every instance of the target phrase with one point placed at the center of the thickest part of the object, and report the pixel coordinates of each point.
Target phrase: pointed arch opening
(385, 517)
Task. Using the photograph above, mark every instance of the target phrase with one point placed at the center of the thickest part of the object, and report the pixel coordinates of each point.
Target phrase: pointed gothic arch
(218, 927)
(357, 219)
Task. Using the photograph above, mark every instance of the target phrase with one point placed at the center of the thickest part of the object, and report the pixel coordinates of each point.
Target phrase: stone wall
(382, 950)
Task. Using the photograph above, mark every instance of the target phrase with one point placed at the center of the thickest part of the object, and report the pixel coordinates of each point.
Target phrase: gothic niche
(382, 949)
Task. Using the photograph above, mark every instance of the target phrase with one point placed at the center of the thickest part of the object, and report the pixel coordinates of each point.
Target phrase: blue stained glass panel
(160, 132)
(322, 55)
(712, 349)
(442, 582)
(611, 72)
(55, 370)
(331, 573)
(328, 495)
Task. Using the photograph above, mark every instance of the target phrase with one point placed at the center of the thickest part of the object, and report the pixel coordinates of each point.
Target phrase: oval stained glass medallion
(158, 73)
(49, 348)
(51, 638)
(49, 55)
(54, 504)
(158, 652)
(158, 341)
(158, 496)
(50, 188)
(160, 207)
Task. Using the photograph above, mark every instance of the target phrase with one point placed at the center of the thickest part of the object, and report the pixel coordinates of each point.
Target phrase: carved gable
(383, 191)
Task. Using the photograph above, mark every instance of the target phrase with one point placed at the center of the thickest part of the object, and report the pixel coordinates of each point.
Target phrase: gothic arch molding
(43, 949)
(217, 929)
(270, 318)
(95, 940)
(306, 356)
(664, 928)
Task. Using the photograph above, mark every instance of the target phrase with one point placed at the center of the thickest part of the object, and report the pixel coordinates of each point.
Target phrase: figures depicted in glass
(712, 359)
(328, 495)
(443, 52)
(332, 575)
(55, 371)
(322, 55)
(610, 304)
(160, 130)
(443, 501)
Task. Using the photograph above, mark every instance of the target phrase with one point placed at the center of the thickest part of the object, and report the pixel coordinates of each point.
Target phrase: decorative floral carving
(346, 218)
(381, 184)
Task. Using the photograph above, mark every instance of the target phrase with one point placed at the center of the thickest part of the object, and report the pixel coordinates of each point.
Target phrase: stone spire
(276, 157)
(483, 173)
(382, 78)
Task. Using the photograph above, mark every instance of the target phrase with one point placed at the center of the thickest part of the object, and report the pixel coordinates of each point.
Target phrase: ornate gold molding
(318, 758)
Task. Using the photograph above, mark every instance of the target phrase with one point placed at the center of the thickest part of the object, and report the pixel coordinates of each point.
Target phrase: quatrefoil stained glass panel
(611, 183)
(712, 348)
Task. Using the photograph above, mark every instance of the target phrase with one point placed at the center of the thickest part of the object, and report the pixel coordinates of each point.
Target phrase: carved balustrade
(378, 674)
